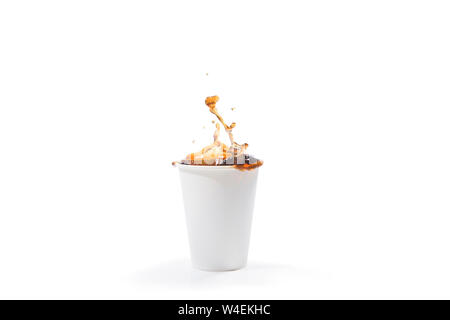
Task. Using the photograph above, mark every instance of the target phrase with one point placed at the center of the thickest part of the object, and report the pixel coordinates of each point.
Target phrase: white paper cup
(218, 202)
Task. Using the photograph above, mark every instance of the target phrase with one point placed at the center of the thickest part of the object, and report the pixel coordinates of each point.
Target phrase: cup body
(218, 202)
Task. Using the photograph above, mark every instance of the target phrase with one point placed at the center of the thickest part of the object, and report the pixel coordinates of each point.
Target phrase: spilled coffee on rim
(218, 153)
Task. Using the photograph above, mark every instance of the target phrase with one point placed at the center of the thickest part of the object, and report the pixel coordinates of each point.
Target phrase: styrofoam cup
(218, 202)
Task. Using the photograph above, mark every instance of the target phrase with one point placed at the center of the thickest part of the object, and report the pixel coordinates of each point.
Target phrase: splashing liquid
(218, 153)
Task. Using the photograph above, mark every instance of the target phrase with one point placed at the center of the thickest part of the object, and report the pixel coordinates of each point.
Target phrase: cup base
(215, 269)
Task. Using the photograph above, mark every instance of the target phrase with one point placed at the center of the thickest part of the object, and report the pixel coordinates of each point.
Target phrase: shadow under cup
(218, 202)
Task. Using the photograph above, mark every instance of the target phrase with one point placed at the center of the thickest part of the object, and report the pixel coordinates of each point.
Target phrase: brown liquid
(211, 103)
(218, 153)
(249, 166)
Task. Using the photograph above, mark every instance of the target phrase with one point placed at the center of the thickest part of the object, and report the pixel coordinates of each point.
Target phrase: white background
(347, 102)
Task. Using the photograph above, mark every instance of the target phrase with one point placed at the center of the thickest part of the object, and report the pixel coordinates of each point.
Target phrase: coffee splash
(218, 153)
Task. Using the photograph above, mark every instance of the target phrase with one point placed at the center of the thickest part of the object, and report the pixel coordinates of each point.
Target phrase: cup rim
(183, 166)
